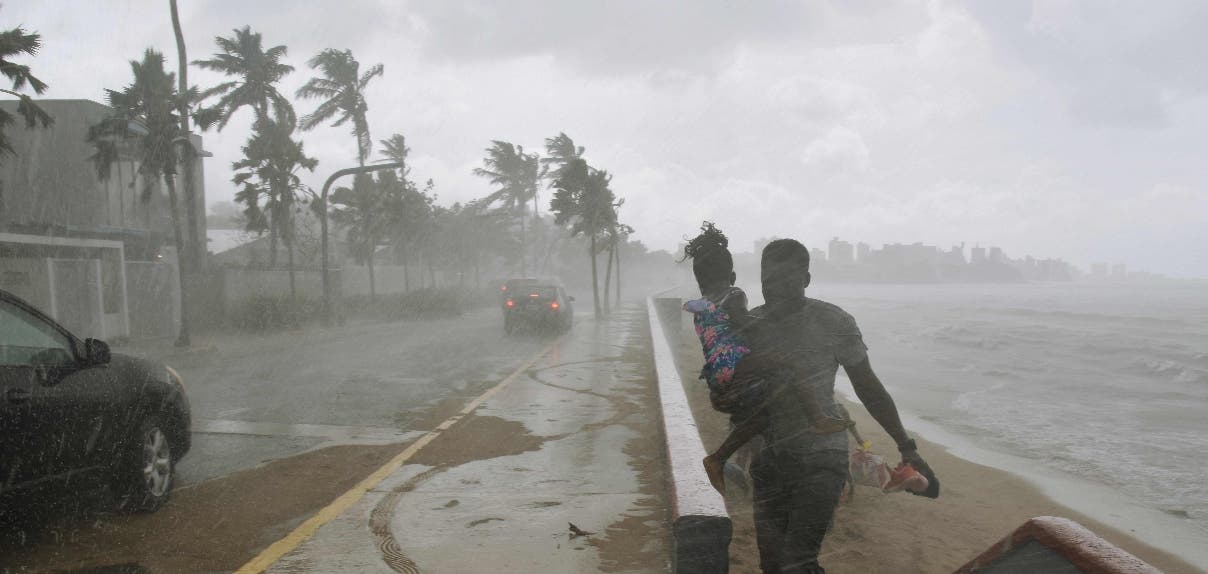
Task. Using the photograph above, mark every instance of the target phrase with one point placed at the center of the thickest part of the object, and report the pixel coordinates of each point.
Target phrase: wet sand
(900, 533)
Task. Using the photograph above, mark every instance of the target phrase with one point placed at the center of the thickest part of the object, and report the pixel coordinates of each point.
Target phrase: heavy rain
(453, 286)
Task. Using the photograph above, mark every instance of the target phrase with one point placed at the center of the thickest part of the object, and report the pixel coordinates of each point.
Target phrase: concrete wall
(28, 279)
(153, 292)
(76, 296)
(701, 527)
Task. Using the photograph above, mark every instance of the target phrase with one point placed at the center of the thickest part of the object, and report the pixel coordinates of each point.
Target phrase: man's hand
(912, 458)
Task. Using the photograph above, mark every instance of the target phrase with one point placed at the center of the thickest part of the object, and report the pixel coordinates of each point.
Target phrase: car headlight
(175, 377)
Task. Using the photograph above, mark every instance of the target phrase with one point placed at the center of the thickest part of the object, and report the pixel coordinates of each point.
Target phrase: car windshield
(603, 286)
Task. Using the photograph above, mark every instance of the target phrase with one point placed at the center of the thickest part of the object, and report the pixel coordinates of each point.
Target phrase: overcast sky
(1057, 128)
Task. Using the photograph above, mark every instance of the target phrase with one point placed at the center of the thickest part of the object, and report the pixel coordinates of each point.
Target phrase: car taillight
(553, 306)
(510, 303)
(503, 287)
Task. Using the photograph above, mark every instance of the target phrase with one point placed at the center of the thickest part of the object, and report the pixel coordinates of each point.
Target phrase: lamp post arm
(323, 223)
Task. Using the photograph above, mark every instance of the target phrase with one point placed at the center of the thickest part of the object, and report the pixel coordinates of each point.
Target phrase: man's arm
(880, 405)
(877, 400)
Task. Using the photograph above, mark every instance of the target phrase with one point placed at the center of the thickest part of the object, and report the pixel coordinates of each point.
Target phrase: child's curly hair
(710, 254)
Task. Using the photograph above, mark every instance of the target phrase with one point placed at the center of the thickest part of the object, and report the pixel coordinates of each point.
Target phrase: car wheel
(145, 477)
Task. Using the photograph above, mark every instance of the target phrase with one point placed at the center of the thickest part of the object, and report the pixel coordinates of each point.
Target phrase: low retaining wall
(700, 524)
(1053, 544)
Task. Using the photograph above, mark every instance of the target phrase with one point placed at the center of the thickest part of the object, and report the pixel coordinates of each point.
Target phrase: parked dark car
(538, 305)
(73, 416)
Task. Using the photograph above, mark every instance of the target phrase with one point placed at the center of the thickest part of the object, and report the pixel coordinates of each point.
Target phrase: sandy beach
(900, 533)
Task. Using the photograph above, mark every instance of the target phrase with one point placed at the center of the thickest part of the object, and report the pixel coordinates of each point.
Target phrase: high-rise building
(862, 252)
(840, 252)
(1119, 271)
(817, 255)
(1099, 270)
(977, 255)
(997, 256)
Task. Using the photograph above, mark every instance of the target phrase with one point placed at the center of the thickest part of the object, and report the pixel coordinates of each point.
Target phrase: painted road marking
(332, 432)
(345, 501)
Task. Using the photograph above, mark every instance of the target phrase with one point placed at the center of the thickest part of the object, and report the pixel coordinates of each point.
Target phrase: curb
(701, 527)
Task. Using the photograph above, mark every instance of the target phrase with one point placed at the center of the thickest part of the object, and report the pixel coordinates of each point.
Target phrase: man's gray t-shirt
(816, 337)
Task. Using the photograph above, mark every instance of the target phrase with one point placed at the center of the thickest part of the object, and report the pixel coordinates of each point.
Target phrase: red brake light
(503, 287)
(510, 303)
(553, 305)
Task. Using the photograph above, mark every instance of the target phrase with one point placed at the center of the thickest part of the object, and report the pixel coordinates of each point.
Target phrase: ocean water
(1104, 382)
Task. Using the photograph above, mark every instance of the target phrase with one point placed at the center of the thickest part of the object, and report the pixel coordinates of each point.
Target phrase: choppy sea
(1107, 383)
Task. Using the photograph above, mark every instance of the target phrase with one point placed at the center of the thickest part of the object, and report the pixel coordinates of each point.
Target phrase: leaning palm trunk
(195, 252)
(372, 285)
(406, 273)
(617, 254)
(608, 283)
(183, 339)
(523, 248)
(595, 283)
(273, 228)
(293, 289)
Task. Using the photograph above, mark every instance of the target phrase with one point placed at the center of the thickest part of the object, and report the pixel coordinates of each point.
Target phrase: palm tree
(517, 174)
(613, 241)
(187, 154)
(16, 42)
(342, 89)
(583, 199)
(256, 71)
(408, 210)
(360, 210)
(145, 114)
(272, 159)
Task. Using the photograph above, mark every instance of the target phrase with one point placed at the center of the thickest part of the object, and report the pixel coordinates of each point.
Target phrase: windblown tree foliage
(408, 209)
(145, 115)
(517, 174)
(341, 87)
(583, 199)
(254, 74)
(361, 210)
(18, 42)
(269, 171)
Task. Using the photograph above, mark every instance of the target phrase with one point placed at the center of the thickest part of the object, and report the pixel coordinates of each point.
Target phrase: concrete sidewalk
(574, 439)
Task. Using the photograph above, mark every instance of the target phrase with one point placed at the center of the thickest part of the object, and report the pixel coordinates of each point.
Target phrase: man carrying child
(799, 475)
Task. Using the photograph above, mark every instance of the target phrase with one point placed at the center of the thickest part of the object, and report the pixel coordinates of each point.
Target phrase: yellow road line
(345, 501)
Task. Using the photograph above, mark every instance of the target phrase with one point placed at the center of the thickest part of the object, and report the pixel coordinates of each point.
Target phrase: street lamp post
(323, 224)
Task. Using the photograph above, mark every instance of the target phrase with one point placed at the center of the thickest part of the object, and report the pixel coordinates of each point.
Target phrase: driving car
(74, 416)
(538, 305)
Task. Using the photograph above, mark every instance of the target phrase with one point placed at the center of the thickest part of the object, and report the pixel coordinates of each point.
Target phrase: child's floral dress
(723, 346)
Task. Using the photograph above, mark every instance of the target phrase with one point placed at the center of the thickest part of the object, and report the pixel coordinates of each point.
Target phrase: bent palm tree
(583, 199)
(145, 114)
(256, 72)
(16, 42)
(342, 89)
(516, 173)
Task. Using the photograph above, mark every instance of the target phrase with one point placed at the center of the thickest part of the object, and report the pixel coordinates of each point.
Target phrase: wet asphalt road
(571, 438)
(259, 398)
